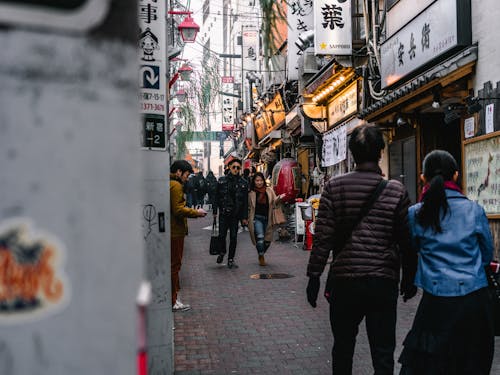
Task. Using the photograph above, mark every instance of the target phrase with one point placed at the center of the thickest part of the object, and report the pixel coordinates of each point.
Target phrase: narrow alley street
(241, 325)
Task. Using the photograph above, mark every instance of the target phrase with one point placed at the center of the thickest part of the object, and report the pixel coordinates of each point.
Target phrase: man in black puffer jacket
(366, 266)
(231, 204)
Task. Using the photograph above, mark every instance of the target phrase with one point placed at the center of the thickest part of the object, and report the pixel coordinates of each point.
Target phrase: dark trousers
(176, 251)
(228, 223)
(374, 299)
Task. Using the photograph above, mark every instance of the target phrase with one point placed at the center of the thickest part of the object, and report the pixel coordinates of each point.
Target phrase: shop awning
(448, 70)
(275, 134)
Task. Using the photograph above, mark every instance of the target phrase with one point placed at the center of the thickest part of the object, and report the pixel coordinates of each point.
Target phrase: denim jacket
(452, 263)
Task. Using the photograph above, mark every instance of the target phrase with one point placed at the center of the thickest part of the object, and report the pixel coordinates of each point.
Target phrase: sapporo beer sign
(74, 15)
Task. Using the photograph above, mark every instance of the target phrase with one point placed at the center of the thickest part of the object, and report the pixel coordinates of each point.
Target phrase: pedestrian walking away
(452, 332)
(231, 206)
(368, 249)
(179, 174)
(211, 187)
(261, 200)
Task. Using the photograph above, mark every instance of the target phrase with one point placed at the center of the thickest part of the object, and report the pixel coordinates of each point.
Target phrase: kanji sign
(227, 104)
(75, 15)
(432, 34)
(153, 131)
(333, 27)
(300, 19)
(152, 73)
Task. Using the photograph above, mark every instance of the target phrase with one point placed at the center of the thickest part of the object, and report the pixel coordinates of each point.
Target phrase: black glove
(407, 290)
(312, 290)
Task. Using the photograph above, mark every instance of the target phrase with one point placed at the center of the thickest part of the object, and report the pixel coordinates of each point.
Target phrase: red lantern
(286, 179)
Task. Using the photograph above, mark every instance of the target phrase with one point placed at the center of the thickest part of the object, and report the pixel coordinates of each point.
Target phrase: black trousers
(374, 299)
(228, 223)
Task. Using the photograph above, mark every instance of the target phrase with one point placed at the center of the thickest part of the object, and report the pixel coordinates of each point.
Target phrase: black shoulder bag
(348, 231)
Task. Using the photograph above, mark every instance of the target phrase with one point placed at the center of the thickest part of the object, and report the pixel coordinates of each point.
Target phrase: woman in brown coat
(261, 200)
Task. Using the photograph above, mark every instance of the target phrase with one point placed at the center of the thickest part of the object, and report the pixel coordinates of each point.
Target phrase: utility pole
(154, 94)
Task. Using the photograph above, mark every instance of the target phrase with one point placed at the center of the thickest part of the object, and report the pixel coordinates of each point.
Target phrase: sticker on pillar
(149, 44)
(153, 131)
(33, 284)
(150, 77)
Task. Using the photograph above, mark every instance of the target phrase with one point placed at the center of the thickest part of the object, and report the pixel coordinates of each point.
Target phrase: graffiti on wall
(32, 280)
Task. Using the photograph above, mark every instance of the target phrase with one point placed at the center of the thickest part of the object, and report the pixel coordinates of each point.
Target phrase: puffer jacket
(231, 197)
(178, 210)
(379, 244)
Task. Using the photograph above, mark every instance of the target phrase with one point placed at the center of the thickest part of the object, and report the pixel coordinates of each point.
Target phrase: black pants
(374, 299)
(228, 223)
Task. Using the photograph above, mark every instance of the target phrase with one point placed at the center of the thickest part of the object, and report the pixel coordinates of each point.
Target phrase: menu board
(482, 172)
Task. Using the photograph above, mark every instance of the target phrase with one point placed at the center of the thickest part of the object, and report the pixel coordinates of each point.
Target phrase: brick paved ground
(239, 325)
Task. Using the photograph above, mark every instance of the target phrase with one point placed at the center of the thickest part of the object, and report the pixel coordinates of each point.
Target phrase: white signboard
(333, 27)
(152, 73)
(431, 34)
(334, 146)
(343, 105)
(469, 127)
(300, 19)
(227, 104)
(74, 15)
(402, 12)
(490, 124)
(250, 49)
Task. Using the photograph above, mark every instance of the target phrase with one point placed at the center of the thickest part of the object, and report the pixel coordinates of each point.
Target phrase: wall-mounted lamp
(473, 105)
(181, 95)
(305, 40)
(187, 28)
(400, 121)
(436, 100)
(185, 72)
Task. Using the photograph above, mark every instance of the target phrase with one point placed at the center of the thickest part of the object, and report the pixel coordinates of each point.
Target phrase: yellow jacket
(178, 210)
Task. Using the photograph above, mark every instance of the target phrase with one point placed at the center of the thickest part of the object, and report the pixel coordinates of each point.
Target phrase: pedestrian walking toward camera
(261, 200)
(363, 221)
(231, 205)
(453, 329)
(179, 174)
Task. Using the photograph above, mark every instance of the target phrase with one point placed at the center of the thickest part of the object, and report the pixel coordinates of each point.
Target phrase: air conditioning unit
(310, 62)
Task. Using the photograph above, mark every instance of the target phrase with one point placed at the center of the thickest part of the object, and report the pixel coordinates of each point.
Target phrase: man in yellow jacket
(179, 174)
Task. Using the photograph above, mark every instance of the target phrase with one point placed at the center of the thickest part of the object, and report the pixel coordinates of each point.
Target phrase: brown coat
(272, 198)
(178, 210)
(380, 243)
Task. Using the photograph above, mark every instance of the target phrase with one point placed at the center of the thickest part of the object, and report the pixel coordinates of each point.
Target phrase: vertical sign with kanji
(300, 19)
(227, 104)
(152, 73)
(250, 49)
(333, 27)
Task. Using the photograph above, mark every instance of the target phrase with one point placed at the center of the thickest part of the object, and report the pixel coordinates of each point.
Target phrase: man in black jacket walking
(231, 205)
(365, 270)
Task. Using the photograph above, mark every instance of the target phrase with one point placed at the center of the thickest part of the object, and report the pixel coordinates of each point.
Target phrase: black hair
(246, 172)
(439, 166)
(183, 165)
(235, 160)
(366, 143)
(257, 174)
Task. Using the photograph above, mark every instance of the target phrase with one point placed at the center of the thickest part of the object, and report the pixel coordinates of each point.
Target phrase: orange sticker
(32, 279)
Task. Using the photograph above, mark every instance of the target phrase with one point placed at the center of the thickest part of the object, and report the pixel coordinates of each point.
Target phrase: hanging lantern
(188, 29)
(181, 95)
(185, 72)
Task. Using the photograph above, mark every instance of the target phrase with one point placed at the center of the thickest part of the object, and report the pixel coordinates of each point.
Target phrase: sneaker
(231, 264)
(179, 306)
(262, 260)
(220, 258)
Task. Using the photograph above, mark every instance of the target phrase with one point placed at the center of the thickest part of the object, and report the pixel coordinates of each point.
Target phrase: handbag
(214, 239)
(346, 233)
(493, 275)
(278, 217)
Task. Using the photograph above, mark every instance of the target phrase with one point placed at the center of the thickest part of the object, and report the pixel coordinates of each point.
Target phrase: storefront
(426, 73)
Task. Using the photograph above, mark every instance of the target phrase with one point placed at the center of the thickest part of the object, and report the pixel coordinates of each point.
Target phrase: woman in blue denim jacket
(453, 328)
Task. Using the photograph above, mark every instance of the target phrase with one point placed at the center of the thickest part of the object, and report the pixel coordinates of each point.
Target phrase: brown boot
(262, 261)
